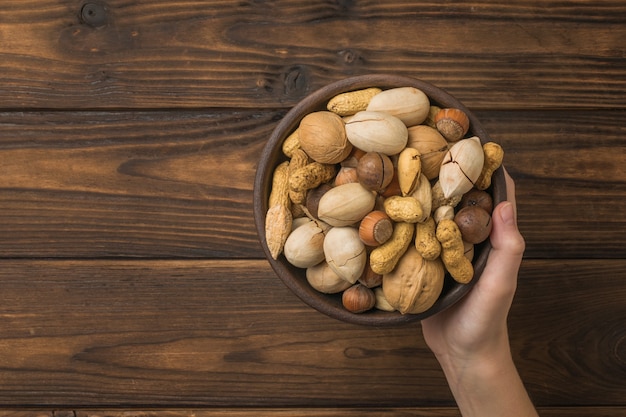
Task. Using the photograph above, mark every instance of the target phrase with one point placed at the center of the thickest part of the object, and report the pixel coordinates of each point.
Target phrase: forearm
(489, 388)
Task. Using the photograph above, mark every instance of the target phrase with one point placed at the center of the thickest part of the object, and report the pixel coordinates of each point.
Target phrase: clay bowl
(294, 278)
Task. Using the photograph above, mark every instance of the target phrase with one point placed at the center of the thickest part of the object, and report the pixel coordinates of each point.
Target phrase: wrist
(487, 386)
(467, 374)
(491, 351)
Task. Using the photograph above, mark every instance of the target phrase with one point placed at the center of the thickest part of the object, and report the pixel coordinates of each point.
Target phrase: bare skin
(470, 340)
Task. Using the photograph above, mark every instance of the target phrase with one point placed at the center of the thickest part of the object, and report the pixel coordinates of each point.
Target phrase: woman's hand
(476, 326)
(470, 339)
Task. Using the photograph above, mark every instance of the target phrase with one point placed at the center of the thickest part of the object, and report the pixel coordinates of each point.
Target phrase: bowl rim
(272, 155)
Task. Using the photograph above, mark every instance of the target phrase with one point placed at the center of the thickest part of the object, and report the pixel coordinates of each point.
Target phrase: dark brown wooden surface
(306, 412)
(131, 277)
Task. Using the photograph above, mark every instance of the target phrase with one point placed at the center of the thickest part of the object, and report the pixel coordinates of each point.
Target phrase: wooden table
(132, 281)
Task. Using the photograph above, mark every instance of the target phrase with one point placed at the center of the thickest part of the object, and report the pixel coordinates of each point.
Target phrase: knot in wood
(296, 81)
(350, 56)
(94, 14)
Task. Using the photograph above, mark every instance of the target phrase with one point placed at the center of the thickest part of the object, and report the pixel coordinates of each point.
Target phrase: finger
(506, 235)
(510, 189)
(499, 278)
(506, 240)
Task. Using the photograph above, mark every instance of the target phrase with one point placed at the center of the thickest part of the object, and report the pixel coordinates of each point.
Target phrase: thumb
(500, 274)
(506, 239)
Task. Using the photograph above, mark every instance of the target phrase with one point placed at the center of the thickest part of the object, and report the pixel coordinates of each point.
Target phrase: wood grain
(179, 184)
(185, 54)
(131, 278)
(217, 333)
(307, 412)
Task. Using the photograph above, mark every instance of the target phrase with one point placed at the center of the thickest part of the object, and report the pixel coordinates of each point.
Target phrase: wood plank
(178, 53)
(307, 412)
(564, 185)
(228, 333)
(179, 184)
(138, 184)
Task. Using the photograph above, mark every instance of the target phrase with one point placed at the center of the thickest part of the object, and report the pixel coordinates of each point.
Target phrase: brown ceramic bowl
(294, 278)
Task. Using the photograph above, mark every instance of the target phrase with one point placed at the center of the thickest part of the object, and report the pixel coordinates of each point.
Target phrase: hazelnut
(476, 197)
(375, 171)
(358, 299)
(375, 228)
(474, 223)
(453, 124)
(346, 175)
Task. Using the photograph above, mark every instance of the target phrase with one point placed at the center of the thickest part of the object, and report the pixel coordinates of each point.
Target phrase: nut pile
(382, 194)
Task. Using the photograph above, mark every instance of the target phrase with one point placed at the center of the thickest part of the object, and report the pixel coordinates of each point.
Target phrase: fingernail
(507, 214)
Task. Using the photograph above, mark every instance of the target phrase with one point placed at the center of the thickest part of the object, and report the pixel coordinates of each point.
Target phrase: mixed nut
(383, 193)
